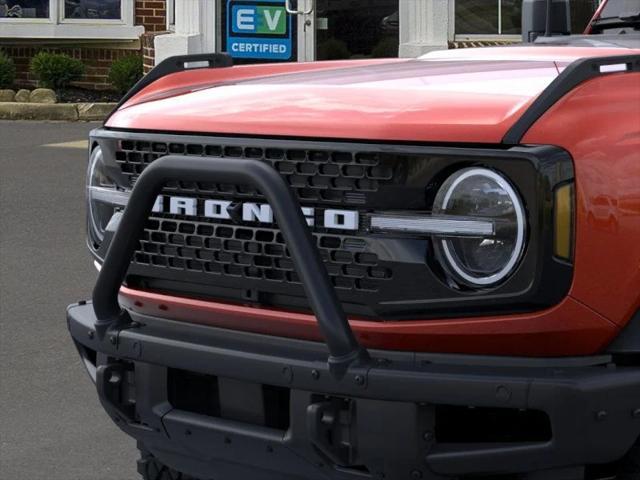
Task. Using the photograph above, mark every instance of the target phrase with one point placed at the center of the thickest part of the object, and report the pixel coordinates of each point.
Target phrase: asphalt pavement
(51, 423)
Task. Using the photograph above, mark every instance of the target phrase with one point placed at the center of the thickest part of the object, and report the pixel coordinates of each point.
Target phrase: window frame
(40, 20)
(171, 12)
(57, 26)
(489, 36)
(484, 36)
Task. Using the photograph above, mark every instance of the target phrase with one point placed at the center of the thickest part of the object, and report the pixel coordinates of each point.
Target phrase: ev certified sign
(259, 29)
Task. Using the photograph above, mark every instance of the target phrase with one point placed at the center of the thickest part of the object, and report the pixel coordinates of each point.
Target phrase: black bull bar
(344, 349)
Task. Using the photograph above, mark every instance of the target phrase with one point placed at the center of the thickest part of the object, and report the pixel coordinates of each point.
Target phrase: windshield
(618, 16)
(618, 8)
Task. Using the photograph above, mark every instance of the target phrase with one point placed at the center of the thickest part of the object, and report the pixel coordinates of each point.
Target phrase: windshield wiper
(629, 19)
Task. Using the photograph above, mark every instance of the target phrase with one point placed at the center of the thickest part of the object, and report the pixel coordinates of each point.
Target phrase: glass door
(347, 29)
(258, 31)
(261, 31)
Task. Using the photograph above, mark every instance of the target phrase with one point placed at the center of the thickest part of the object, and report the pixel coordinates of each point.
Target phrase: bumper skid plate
(381, 420)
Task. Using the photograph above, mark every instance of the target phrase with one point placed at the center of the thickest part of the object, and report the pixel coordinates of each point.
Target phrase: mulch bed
(80, 95)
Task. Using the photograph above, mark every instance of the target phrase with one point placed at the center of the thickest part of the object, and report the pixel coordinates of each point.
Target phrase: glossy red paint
(570, 328)
(471, 98)
(603, 137)
(405, 101)
(525, 53)
(196, 79)
(452, 96)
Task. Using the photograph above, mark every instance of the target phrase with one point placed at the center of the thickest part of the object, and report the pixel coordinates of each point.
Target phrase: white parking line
(80, 144)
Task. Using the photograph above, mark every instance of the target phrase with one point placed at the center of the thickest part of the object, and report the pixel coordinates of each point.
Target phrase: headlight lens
(103, 196)
(481, 261)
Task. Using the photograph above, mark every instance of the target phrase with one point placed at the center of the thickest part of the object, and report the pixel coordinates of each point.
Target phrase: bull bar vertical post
(344, 349)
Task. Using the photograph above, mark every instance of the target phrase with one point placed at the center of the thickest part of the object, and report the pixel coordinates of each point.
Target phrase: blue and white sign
(259, 29)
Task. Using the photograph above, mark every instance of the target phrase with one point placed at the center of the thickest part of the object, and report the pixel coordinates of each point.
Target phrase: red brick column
(148, 51)
(152, 14)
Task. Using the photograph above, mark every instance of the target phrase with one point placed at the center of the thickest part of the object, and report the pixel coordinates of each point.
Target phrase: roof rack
(178, 63)
(577, 72)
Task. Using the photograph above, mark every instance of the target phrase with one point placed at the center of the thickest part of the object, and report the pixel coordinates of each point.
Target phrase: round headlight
(103, 196)
(483, 260)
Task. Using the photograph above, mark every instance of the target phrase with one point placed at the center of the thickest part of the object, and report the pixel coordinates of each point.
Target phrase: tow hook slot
(355, 433)
(330, 423)
(112, 381)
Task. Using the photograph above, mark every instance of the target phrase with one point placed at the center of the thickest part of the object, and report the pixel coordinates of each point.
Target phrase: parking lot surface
(51, 423)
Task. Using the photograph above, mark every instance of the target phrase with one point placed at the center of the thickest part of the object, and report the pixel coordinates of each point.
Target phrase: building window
(69, 19)
(488, 17)
(93, 9)
(504, 17)
(17, 9)
(582, 11)
(510, 17)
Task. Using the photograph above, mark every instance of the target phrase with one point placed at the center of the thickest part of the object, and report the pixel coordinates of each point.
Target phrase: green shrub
(55, 70)
(333, 49)
(387, 47)
(7, 71)
(125, 72)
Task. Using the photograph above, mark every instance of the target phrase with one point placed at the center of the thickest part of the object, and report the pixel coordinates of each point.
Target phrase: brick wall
(482, 43)
(152, 14)
(148, 51)
(149, 13)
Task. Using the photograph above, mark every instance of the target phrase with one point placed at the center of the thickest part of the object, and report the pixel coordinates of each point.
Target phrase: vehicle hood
(471, 96)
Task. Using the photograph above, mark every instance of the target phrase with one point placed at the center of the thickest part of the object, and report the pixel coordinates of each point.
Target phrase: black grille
(220, 251)
(315, 175)
(254, 253)
(249, 262)
(392, 276)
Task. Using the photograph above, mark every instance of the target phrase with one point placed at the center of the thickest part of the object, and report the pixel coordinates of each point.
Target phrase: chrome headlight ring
(481, 193)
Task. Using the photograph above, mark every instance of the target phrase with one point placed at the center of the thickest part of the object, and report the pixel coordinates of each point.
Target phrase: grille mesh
(220, 248)
(319, 176)
(253, 253)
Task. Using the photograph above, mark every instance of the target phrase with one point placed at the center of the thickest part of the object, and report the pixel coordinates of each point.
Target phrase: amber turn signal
(564, 220)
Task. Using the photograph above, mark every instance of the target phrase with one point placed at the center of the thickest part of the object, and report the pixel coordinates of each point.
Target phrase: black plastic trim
(573, 75)
(591, 403)
(628, 341)
(343, 347)
(539, 282)
(178, 63)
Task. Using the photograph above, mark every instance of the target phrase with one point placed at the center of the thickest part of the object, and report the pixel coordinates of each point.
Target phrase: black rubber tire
(630, 466)
(150, 468)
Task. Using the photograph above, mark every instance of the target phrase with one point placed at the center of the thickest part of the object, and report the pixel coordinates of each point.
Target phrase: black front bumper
(381, 420)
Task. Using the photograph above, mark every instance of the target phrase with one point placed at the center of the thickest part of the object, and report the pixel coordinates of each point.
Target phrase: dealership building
(100, 31)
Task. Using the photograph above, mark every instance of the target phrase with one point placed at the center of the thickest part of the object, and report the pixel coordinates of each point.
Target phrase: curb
(68, 112)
